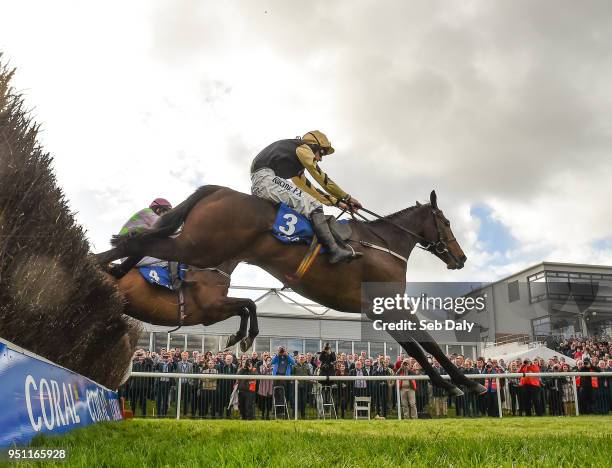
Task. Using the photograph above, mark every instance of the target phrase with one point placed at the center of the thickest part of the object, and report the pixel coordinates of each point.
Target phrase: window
(376, 349)
(345, 347)
(143, 341)
(211, 343)
(177, 341)
(295, 345)
(537, 287)
(313, 346)
(513, 291)
(393, 350)
(276, 342)
(361, 346)
(160, 340)
(194, 343)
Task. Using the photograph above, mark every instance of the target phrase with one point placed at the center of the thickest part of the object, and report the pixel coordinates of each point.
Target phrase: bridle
(437, 247)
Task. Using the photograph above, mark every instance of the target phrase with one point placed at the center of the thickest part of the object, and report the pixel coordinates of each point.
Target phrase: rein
(439, 246)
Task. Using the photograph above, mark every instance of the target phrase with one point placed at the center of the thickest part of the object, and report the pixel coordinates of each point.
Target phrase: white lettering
(50, 424)
(29, 382)
(67, 406)
(56, 404)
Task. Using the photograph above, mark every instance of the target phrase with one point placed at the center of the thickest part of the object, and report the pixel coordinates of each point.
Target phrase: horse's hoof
(478, 389)
(245, 344)
(455, 391)
(231, 341)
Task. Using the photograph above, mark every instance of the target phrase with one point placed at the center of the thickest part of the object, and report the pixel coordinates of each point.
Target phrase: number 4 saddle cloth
(291, 227)
(159, 275)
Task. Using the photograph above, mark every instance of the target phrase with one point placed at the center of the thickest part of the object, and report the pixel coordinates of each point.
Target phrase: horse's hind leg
(243, 312)
(227, 307)
(247, 342)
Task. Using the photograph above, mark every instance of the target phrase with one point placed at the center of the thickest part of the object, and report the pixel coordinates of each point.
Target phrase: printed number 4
(290, 221)
(154, 276)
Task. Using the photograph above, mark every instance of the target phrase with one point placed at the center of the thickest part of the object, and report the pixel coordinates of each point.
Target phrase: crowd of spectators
(219, 398)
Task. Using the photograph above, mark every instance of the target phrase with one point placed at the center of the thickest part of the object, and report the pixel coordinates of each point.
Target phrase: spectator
(587, 386)
(381, 392)
(165, 365)
(327, 358)
(225, 386)
(302, 368)
(530, 388)
(513, 389)
(440, 400)
(209, 392)
(265, 388)
(407, 391)
(359, 387)
(185, 367)
(282, 363)
(342, 390)
(139, 387)
(246, 391)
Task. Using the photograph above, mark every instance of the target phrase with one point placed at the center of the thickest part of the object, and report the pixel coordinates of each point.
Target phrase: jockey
(288, 159)
(145, 219)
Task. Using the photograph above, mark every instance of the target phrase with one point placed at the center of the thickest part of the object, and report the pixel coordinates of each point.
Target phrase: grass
(545, 441)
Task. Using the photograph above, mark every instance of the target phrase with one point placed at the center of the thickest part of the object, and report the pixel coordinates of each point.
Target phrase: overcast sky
(505, 108)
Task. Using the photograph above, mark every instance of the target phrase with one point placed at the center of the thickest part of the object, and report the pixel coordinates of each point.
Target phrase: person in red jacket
(530, 388)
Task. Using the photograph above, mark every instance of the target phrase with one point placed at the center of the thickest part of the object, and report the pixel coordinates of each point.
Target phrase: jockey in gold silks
(278, 175)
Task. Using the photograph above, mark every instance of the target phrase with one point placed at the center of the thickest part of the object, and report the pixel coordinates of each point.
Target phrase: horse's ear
(418, 204)
(433, 199)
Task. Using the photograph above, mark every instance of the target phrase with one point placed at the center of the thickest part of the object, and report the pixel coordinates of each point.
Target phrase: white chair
(362, 404)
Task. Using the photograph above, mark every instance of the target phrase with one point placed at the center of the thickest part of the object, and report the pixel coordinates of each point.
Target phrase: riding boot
(325, 236)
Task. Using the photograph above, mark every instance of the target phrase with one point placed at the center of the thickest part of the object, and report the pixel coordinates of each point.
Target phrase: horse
(220, 224)
(205, 301)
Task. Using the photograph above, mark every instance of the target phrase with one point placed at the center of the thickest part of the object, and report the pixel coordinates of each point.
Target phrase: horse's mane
(393, 216)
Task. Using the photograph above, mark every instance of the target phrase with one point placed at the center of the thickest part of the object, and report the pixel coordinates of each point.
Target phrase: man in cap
(138, 222)
(278, 175)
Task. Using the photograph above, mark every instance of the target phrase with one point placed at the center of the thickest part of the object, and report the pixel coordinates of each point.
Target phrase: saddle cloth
(290, 227)
(159, 275)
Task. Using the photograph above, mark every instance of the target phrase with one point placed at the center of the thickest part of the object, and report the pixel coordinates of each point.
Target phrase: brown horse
(221, 224)
(205, 298)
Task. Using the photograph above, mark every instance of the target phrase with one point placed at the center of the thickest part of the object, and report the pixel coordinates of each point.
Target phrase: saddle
(290, 227)
(169, 275)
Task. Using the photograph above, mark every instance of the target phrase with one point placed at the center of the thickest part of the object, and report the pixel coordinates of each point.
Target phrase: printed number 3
(290, 221)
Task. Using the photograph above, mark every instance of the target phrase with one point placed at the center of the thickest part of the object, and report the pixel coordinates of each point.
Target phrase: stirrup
(355, 253)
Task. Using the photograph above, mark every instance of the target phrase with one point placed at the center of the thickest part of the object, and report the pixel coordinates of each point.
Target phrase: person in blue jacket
(282, 364)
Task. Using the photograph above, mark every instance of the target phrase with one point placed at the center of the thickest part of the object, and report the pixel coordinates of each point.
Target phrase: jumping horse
(204, 301)
(221, 224)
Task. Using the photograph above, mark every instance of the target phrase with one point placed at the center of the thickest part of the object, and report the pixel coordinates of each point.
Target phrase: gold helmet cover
(315, 137)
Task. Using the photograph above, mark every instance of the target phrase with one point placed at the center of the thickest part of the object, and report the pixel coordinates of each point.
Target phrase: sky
(504, 108)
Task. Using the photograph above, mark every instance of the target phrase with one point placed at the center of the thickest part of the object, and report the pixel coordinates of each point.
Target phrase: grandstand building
(547, 299)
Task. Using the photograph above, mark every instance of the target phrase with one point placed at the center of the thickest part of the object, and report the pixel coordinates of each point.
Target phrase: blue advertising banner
(37, 396)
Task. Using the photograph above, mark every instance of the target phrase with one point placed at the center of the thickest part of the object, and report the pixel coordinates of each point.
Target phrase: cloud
(501, 105)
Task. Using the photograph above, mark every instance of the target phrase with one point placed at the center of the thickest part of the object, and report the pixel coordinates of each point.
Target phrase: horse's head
(439, 238)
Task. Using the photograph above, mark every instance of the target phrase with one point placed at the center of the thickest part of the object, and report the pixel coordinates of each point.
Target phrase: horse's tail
(168, 223)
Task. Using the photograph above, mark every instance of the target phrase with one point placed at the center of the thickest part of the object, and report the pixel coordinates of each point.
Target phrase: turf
(546, 441)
